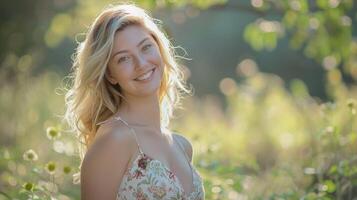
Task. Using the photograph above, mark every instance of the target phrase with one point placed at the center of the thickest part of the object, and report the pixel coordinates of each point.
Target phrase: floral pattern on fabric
(149, 179)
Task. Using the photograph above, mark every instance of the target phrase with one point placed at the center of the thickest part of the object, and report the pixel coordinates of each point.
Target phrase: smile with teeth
(145, 76)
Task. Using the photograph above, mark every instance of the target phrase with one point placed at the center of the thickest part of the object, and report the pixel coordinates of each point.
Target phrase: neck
(144, 111)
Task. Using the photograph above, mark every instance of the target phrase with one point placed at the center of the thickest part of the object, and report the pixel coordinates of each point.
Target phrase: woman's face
(136, 62)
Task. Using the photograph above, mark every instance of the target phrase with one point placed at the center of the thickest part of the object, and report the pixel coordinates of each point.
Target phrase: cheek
(121, 74)
(157, 57)
(124, 76)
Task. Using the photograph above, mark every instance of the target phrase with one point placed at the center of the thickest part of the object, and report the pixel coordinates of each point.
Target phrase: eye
(146, 47)
(123, 59)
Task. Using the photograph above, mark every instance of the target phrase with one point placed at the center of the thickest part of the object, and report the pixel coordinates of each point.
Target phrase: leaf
(333, 170)
(331, 186)
(270, 40)
(323, 4)
(289, 19)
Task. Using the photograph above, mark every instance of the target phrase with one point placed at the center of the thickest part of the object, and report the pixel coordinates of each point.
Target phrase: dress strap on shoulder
(187, 158)
(131, 130)
(182, 148)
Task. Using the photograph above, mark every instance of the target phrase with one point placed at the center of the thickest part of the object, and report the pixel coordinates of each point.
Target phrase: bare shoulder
(109, 138)
(105, 162)
(185, 143)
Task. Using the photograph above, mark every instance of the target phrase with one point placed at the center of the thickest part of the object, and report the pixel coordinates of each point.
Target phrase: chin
(147, 91)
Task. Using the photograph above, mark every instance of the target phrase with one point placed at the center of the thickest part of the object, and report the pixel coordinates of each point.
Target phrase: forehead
(129, 37)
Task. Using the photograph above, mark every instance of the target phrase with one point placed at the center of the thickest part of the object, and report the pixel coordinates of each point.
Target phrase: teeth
(145, 76)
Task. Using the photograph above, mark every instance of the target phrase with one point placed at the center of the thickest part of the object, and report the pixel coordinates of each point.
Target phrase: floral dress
(148, 179)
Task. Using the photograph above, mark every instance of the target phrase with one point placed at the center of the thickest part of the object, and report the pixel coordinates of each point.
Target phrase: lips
(149, 72)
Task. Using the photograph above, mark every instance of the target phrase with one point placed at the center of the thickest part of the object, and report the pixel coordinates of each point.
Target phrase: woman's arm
(105, 163)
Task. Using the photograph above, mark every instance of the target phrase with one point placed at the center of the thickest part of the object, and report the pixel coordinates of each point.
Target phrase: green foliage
(263, 34)
(322, 29)
(277, 144)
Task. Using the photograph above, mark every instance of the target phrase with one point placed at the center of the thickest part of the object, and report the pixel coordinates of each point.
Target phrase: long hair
(91, 98)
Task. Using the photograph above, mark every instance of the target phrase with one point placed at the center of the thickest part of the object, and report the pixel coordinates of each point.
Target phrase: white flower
(30, 155)
(50, 167)
(53, 133)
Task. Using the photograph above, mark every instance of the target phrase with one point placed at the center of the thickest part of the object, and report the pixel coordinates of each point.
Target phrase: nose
(142, 62)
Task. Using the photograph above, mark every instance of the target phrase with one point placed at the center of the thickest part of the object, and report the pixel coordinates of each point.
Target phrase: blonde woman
(126, 83)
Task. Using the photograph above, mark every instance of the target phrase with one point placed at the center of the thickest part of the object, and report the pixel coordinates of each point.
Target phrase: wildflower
(30, 155)
(67, 169)
(50, 167)
(58, 146)
(351, 103)
(53, 133)
(28, 186)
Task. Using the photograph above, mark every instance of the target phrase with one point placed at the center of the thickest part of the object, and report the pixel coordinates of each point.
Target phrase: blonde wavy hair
(91, 98)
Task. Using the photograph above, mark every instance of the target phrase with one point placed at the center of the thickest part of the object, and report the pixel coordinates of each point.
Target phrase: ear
(109, 77)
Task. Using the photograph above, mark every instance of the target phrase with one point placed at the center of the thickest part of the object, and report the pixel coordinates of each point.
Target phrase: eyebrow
(122, 51)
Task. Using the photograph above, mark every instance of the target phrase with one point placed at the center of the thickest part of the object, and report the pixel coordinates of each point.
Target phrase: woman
(126, 84)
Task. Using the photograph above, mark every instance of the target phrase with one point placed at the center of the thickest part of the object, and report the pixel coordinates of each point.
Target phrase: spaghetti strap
(131, 130)
(183, 150)
(187, 158)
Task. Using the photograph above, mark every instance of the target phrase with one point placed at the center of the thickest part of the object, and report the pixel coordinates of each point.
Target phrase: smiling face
(136, 63)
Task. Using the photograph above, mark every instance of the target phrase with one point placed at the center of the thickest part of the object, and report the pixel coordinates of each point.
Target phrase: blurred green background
(273, 114)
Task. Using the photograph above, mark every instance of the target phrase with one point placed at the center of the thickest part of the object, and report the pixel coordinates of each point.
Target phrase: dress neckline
(141, 152)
